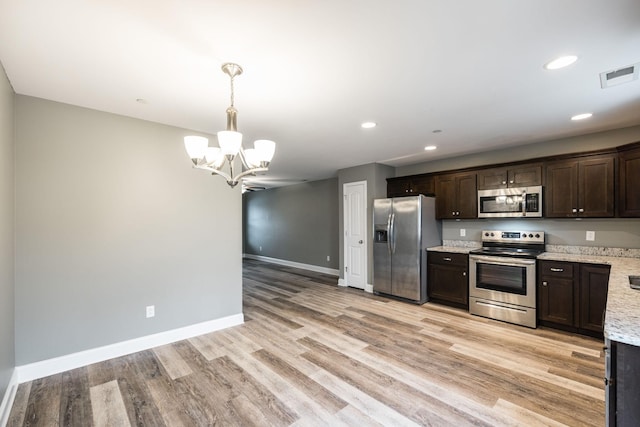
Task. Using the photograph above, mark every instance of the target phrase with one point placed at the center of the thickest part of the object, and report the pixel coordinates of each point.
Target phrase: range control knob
(524, 235)
(537, 236)
(530, 235)
(486, 234)
(492, 234)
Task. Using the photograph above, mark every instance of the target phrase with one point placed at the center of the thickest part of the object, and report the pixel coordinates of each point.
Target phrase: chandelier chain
(232, 92)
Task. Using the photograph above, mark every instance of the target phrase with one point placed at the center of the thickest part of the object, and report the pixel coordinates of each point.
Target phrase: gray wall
(110, 218)
(576, 144)
(611, 233)
(295, 223)
(375, 174)
(7, 253)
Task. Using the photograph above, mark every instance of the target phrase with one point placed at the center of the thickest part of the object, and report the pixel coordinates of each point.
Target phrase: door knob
(360, 241)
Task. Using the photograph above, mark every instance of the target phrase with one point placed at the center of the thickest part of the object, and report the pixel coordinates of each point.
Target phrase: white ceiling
(315, 70)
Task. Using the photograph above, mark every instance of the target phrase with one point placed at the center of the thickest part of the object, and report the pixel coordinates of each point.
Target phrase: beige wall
(110, 218)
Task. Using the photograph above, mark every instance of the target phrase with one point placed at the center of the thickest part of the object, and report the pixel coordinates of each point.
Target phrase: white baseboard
(48, 367)
(7, 400)
(367, 287)
(309, 267)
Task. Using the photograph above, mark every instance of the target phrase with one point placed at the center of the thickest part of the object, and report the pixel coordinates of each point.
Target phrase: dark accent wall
(7, 251)
(296, 223)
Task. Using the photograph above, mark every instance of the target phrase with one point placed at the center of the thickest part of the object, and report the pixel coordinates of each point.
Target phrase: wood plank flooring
(311, 353)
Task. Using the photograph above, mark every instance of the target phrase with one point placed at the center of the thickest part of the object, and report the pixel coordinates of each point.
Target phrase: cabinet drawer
(556, 269)
(447, 258)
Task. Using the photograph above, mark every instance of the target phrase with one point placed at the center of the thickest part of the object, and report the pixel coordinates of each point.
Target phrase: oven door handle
(508, 262)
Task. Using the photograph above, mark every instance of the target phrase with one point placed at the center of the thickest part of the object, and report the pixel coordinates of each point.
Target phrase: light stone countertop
(452, 249)
(622, 318)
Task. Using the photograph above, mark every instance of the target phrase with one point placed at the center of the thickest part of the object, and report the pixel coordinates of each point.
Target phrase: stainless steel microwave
(510, 202)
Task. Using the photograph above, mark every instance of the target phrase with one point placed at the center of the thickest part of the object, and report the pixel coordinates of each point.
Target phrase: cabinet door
(525, 176)
(594, 281)
(556, 292)
(555, 300)
(492, 178)
(423, 185)
(466, 196)
(629, 183)
(447, 279)
(397, 187)
(445, 197)
(561, 192)
(595, 187)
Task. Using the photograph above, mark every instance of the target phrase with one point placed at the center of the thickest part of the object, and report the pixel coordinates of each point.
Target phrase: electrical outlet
(463, 232)
(151, 311)
(591, 236)
(328, 258)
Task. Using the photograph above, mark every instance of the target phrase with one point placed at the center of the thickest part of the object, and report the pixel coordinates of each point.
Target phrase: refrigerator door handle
(392, 229)
(389, 234)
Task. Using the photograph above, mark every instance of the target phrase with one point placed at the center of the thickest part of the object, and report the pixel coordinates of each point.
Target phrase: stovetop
(523, 244)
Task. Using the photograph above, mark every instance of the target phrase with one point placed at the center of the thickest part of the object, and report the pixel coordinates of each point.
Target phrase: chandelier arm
(251, 172)
(244, 160)
(214, 170)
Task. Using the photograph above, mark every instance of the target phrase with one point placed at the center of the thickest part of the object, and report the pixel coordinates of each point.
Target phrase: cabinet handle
(574, 210)
(580, 210)
(446, 259)
(511, 182)
(504, 182)
(544, 283)
(557, 270)
(464, 273)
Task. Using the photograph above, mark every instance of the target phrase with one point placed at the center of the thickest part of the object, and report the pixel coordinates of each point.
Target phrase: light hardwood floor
(310, 353)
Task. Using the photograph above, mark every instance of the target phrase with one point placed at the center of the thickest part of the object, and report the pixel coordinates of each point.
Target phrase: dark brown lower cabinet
(572, 296)
(556, 292)
(622, 384)
(447, 280)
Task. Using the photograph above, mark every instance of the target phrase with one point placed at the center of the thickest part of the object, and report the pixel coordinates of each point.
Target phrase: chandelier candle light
(213, 159)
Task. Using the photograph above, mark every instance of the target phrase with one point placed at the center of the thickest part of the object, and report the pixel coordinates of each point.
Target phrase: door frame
(365, 219)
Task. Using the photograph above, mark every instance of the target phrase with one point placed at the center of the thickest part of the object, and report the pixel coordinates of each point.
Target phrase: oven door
(503, 279)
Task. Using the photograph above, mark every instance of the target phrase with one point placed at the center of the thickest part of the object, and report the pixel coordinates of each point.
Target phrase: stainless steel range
(502, 276)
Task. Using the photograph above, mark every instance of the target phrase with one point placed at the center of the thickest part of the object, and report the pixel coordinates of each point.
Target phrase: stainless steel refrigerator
(403, 228)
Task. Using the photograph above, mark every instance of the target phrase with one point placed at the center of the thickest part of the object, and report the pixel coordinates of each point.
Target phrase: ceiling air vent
(619, 76)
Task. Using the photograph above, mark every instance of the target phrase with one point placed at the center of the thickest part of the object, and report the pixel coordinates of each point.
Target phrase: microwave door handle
(524, 202)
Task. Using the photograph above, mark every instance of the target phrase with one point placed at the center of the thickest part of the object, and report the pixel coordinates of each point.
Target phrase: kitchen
(613, 242)
(109, 236)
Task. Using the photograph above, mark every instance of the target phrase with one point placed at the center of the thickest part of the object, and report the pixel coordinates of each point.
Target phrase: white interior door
(355, 234)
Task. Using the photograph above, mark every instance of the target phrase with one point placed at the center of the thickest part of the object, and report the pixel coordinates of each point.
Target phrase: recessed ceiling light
(581, 116)
(561, 62)
(141, 101)
(437, 131)
(430, 147)
(368, 125)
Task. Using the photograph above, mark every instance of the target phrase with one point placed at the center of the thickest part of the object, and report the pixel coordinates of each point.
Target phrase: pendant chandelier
(214, 159)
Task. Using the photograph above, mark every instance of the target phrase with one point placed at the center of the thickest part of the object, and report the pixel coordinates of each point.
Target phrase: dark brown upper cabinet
(516, 176)
(410, 186)
(456, 196)
(629, 183)
(580, 188)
